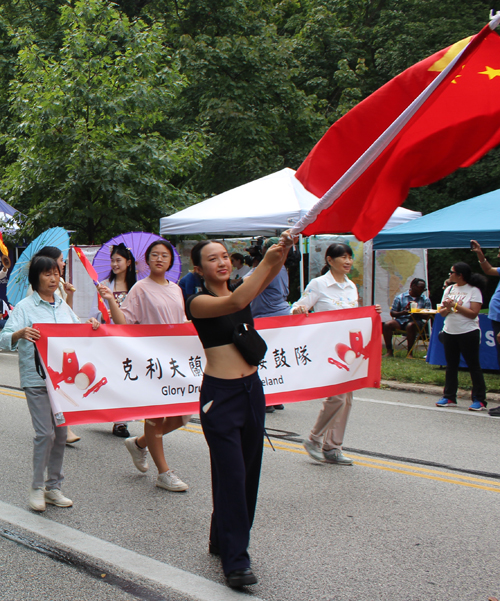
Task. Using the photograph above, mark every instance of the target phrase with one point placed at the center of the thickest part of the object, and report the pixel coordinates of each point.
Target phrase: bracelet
(455, 308)
(481, 262)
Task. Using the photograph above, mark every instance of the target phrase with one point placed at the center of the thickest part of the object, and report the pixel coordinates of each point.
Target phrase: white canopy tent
(263, 207)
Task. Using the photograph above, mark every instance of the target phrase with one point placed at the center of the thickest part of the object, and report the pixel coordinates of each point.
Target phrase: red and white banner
(132, 372)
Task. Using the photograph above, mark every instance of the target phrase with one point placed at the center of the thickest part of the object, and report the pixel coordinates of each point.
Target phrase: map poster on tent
(120, 373)
(394, 271)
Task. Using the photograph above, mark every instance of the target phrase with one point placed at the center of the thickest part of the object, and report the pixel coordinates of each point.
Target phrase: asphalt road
(413, 519)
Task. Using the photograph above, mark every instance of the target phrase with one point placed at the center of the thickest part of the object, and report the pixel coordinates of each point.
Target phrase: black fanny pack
(249, 342)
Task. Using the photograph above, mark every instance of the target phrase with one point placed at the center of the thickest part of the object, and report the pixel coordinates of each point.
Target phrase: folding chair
(400, 339)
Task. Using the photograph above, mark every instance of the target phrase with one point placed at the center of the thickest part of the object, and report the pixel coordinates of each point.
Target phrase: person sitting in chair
(400, 311)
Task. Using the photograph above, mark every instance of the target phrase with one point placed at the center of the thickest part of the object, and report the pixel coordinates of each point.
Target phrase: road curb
(431, 389)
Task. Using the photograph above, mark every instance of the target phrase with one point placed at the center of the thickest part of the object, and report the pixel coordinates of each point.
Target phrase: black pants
(468, 345)
(232, 415)
(496, 330)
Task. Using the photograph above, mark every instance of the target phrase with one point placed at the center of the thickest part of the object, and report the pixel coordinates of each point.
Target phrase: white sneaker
(37, 499)
(139, 456)
(171, 482)
(314, 450)
(336, 456)
(55, 497)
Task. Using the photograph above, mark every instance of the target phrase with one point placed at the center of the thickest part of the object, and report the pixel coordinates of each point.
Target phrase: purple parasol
(137, 242)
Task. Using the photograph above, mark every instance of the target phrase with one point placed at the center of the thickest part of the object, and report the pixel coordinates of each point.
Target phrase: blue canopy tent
(452, 227)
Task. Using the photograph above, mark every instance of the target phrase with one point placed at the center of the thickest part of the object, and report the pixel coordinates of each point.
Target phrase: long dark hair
(473, 279)
(126, 253)
(337, 249)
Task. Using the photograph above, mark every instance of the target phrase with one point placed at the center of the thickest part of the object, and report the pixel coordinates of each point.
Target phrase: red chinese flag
(441, 114)
(89, 268)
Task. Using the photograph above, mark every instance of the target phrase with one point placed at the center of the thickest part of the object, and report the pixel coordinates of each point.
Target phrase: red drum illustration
(85, 376)
(345, 353)
(356, 341)
(69, 366)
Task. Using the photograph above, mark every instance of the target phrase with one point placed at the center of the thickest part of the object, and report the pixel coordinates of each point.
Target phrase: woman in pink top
(153, 300)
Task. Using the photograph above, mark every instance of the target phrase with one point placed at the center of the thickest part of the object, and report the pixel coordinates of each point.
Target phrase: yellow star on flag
(490, 72)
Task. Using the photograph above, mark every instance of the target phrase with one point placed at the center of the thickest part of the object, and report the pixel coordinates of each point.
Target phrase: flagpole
(383, 141)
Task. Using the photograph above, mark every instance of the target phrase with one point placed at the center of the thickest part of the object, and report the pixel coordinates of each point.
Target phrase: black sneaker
(494, 412)
(121, 431)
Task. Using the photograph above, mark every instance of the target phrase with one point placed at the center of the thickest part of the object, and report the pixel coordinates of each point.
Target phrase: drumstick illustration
(96, 387)
(337, 364)
(67, 397)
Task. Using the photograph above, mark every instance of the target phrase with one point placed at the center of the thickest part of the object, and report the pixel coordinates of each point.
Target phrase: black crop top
(218, 331)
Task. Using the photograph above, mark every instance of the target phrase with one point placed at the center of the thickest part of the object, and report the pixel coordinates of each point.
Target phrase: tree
(84, 134)
(241, 91)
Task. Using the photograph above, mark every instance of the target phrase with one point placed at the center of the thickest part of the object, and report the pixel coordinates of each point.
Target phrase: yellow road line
(370, 462)
(389, 466)
(448, 477)
(417, 468)
(13, 393)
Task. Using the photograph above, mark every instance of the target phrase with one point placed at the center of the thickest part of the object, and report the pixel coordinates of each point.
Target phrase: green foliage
(114, 114)
(241, 91)
(88, 155)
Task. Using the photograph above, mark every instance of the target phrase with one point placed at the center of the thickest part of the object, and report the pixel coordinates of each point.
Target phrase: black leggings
(468, 345)
(232, 414)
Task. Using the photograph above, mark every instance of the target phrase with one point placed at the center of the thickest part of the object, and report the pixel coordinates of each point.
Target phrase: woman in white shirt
(461, 334)
(331, 292)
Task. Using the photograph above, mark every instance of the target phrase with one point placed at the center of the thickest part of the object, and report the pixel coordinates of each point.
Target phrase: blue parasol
(18, 281)
(137, 243)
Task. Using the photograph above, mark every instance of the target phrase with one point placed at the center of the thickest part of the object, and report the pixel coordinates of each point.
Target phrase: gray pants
(49, 442)
(330, 426)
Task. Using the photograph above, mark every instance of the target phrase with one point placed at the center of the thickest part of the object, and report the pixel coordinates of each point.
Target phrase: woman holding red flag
(232, 403)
